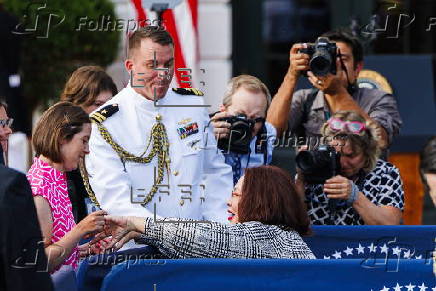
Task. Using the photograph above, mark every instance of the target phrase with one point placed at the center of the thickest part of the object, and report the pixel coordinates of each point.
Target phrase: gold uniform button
(182, 202)
(175, 173)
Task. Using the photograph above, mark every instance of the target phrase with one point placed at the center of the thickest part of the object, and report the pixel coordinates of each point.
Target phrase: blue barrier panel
(370, 241)
(270, 274)
(93, 270)
(64, 279)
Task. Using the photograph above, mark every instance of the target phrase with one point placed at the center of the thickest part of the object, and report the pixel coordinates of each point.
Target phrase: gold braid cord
(88, 188)
(160, 148)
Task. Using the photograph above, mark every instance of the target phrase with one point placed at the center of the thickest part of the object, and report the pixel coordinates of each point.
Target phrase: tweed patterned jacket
(215, 240)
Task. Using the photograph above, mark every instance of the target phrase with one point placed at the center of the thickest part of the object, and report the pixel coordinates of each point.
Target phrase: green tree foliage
(54, 43)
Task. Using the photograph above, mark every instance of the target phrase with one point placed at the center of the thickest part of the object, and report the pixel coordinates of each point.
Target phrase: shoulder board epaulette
(188, 91)
(104, 113)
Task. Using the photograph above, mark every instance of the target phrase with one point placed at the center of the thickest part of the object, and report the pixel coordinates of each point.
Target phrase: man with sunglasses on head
(243, 135)
(5, 132)
(304, 112)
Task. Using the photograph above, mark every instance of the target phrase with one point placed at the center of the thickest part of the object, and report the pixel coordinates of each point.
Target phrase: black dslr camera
(323, 55)
(240, 135)
(319, 165)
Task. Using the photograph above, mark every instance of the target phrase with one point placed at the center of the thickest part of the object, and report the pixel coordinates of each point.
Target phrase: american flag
(182, 23)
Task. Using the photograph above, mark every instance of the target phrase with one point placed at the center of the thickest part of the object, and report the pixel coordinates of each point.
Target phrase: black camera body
(319, 165)
(323, 55)
(240, 135)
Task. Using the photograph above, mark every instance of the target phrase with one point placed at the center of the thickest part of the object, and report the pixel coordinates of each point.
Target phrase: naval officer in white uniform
(150, 157)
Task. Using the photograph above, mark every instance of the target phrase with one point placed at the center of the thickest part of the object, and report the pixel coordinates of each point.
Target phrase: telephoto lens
(322, 55)
(318, 165)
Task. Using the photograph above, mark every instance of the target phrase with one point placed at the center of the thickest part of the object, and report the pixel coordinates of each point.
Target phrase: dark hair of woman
(269, 196)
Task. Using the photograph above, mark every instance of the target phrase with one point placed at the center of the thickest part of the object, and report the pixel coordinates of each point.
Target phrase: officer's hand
(330, 84)
(298, 62)
(221, 129)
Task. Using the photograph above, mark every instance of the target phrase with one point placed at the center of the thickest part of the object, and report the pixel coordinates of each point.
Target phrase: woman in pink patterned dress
(60, 140)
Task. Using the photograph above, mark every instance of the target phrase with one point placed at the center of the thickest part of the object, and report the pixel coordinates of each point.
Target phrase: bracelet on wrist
(353, 195)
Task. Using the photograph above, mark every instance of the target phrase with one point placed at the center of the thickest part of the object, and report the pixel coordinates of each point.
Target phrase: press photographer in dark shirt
(303, 112)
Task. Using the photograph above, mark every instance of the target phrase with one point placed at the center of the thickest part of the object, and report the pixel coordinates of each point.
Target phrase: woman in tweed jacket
(267, 219)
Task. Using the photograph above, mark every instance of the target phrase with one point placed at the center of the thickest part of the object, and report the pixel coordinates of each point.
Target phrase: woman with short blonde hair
(364, 189)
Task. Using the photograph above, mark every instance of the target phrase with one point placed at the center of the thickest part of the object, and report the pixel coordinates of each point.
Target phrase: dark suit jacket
(22, 257)
(2, 162)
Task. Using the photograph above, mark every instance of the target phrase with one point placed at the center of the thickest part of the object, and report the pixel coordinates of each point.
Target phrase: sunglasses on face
(337, 124)
(6, 122)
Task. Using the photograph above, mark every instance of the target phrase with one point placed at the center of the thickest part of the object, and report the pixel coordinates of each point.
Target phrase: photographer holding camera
(332, 65)
(345, 183)
(243, 136)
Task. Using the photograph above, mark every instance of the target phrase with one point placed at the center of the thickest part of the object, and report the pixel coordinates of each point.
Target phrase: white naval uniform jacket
(195, 161)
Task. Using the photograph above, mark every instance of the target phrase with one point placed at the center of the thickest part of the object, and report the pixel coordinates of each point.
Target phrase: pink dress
(52, 185)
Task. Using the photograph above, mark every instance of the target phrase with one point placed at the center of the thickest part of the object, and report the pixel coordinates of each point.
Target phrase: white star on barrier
(384, 249)
(418, 257)
(407, 254)
(360, 249)
(398, 287)
(410, 287)
(337, 255)
(372, 248)
(348, 251)
(422, 287)
(326, 257)
(385, 289)
(396, 251)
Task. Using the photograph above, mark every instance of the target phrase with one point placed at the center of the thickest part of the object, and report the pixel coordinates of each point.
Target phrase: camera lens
(240, 132)
(239, 137)
(305, 161)
(318, 165)
(320, 63)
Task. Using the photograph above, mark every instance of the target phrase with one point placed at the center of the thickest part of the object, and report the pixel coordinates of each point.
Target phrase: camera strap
(2, 157)
(262, 143)
(213, 114)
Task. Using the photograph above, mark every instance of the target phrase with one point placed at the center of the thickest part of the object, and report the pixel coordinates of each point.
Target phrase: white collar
(140, 101)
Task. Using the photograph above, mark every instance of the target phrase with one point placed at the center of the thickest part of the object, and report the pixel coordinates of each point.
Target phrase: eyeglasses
(337, 124)
(6, 122)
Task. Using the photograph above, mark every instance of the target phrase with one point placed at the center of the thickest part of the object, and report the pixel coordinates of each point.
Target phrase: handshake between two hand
(110, 232)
